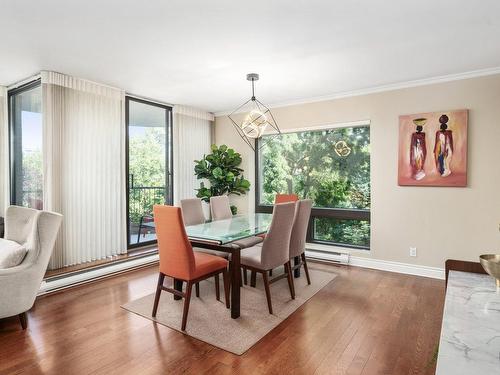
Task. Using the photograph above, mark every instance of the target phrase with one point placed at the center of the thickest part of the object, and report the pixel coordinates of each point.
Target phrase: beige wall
(442, 223)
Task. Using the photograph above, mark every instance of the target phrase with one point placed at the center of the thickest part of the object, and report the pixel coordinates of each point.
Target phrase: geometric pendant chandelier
(256, 121)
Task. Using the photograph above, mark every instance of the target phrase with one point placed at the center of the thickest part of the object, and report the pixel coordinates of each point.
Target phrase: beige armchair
(19, 285)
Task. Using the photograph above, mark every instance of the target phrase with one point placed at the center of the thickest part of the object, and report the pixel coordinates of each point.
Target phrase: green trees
(308, 164)
(146, 172)
(221, 169)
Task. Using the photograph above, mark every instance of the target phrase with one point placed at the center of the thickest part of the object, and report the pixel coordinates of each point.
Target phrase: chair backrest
(299, 230)
(285, 198)
(20, 223)
(36, 229)
(276, 245)
(174, 248)
(220, 208)
(192, 211)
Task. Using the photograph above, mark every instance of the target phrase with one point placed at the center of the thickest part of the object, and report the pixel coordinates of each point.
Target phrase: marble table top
(470, 334)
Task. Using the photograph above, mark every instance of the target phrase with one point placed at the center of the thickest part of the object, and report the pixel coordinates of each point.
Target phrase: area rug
(211, 322)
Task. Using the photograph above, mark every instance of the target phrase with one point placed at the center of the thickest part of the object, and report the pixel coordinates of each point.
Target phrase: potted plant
(221, 169)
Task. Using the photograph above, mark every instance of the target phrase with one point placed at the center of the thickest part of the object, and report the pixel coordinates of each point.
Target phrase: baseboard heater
(328, 256)
(56, 283)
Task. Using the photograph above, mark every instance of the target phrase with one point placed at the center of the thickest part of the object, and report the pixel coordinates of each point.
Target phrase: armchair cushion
(11, 253)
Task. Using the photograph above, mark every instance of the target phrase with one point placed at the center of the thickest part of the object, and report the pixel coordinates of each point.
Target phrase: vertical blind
(84, 173)
(192, 140)
(4, 152)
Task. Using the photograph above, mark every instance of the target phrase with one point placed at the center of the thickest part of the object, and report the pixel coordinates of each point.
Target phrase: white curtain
(84, 172)
(193, 134)
(4, 151)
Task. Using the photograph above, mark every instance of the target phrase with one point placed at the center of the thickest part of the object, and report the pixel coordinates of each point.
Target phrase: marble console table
(470, 334)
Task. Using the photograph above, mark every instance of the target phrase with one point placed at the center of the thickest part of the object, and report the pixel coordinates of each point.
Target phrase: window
(149, 166)
(331, 167)
(26, 169)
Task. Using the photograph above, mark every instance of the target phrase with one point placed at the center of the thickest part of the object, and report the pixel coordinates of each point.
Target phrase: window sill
(334, 248)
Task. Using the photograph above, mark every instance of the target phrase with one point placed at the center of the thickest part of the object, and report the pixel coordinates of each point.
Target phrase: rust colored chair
(179, 261)
(285, 198)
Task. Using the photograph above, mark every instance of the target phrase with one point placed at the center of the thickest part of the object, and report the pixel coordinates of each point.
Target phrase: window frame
(169, 162)
(318, 212)
(12, 136)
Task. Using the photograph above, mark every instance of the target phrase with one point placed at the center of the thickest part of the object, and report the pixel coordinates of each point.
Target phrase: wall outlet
(413, 251)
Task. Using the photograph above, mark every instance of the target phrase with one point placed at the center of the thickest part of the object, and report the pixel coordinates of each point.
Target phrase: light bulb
(255, 124)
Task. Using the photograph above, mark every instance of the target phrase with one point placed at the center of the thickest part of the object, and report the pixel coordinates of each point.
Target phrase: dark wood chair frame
(268, 281)
(178, 294)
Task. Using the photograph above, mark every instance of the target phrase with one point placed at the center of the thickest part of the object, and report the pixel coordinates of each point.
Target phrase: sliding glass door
(26, 170)
(149, 166)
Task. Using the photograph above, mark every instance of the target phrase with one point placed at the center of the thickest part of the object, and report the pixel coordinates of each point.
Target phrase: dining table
(220, 235)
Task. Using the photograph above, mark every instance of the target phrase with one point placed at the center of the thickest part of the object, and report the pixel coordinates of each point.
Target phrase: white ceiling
(197, 52)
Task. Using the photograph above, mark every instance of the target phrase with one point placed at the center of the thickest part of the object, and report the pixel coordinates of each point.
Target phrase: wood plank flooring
(364, 322)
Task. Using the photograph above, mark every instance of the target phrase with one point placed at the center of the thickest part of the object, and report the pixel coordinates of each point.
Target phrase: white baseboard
(406, 268)
(63, 282)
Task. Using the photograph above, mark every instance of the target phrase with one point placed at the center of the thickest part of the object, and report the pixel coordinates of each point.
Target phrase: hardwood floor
(364, 322)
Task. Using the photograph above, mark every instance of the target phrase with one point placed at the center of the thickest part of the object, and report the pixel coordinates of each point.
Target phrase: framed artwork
(433, 149)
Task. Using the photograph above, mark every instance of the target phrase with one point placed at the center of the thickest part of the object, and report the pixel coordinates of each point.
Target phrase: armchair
(19, 285)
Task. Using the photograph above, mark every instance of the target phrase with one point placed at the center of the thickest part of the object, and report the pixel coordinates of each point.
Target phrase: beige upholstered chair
(192, 211)
(299, 233)
(275, 250)
(220, 209)
(19, 285)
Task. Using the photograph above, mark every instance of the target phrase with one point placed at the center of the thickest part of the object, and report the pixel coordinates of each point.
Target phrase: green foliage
(32, 180)
(306, 164)
(146, 172)
(221, 170)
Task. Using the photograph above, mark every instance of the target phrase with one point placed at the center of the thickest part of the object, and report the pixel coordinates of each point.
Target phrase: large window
(149, 166)
(26, 168)
(331, 167)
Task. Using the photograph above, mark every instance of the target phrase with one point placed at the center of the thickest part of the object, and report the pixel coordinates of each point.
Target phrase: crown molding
(383, 88)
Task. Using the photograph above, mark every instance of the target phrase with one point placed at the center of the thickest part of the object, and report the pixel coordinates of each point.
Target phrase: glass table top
(226, 231)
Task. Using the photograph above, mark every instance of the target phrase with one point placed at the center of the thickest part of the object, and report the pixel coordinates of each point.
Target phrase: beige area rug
(211, 322)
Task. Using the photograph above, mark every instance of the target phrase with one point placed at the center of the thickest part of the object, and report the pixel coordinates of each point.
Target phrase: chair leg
(161, 277)
(225, 279)
(23, 318)
(253, 279)
(304, 261)
(197, 289)
(187, 299)
(245, 279)
(289, 277)
(217, 288)
(268, 292)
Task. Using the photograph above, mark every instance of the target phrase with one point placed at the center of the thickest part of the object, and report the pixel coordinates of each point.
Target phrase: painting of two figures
(433, 149)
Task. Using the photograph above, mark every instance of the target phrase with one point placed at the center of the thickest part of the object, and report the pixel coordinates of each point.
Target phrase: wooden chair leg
(225, 279)
(245, 277)
(23, 318)
(289, 277)
(197, 289)
(161, 278)
(217, 288)
(304, 261)
(253, 279)
(268, 292)
(187, 299)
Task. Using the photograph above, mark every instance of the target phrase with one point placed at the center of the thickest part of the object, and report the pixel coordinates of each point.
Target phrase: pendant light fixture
(257, 119)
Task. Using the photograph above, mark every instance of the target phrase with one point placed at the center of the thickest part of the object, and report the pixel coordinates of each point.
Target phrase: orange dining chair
(285, 198)
(179, 261)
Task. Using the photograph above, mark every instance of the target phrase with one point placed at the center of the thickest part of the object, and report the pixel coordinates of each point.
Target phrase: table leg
(296, 261)
(177, 286)
(235, 284)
